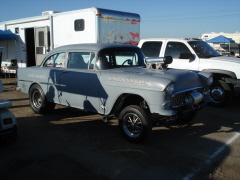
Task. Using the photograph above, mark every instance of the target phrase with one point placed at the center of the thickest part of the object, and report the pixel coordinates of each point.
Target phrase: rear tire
(221, 93)
(38, 101)
(134, 123)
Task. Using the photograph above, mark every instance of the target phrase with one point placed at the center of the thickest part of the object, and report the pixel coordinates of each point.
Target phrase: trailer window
(41, 38)
(17, 30)
(79, 25)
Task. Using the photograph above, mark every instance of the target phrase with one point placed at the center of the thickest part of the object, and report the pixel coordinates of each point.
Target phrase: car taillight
(7, 121)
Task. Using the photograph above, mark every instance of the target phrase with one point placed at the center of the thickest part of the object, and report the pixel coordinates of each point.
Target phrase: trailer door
(41, 43)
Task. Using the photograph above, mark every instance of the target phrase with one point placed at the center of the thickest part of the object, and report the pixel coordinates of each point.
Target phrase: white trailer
(38, 35)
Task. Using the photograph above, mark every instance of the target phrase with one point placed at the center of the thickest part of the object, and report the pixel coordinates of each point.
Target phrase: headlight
(189, 99)
(210, 81)
(169, 89)
(193, 98)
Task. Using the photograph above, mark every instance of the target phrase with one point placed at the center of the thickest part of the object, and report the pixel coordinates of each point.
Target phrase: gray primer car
(114, 80)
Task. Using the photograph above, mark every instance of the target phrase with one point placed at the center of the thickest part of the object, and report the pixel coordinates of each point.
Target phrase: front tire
(221, 93)
(186, 118)
(38, 101)
(134, 123)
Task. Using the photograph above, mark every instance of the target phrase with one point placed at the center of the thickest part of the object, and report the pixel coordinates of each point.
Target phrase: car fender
(223, 72)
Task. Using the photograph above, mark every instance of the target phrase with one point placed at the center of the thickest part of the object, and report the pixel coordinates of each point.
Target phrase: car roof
(91, 46)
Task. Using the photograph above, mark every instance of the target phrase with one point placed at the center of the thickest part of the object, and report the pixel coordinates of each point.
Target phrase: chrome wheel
(218, 94)
(37, 99)
(132, 125)
(221, 93)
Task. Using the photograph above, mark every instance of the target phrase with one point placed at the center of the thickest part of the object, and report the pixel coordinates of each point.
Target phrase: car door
(175, 49)
(80, 82)
(54, 64)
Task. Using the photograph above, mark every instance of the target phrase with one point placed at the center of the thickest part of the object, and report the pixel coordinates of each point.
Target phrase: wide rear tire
(38, 101)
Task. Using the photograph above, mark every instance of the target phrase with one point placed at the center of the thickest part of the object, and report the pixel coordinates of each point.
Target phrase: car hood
(151, 79)
(224, 58)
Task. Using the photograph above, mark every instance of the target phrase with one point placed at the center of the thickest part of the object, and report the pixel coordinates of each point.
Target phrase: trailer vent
(49, 12)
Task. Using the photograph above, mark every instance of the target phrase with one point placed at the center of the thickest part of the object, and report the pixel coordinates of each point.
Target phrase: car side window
(56, 60)
(60, 60)
(126, 58)
(152, 49)
(92, 60)
(79, 60)
(174, 49)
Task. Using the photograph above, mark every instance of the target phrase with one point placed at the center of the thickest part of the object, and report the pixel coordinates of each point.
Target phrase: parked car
(8, 123)
(113, 80)
(197, 55)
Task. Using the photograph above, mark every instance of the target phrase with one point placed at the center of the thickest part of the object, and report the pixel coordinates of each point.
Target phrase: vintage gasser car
(115, 80)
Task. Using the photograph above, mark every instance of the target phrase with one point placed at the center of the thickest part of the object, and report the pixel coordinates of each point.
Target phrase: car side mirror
(186, 56)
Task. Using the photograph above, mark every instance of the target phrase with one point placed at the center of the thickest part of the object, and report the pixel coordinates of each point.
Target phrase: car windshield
(120, 57)
(203, 49)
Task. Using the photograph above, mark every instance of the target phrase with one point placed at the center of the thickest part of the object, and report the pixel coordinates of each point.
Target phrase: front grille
(179, 98)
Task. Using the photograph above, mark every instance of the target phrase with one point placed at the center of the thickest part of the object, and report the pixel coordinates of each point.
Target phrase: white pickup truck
(197, 55)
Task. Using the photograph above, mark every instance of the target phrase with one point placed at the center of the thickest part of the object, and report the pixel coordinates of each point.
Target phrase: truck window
(151, 49)
(203, 49)
(174, 49)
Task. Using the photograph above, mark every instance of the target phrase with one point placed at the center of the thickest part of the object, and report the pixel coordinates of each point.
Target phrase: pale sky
(159, 18)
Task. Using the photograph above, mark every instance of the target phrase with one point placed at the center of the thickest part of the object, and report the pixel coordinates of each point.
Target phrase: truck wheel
(38, 101)
(221, 93)
(134, 123)
(186, 118)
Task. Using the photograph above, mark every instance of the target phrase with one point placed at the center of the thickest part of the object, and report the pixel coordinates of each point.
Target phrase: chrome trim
(26, 81)
(197, 98)
(178, 106)
(165, 103)
(53, 84)
(207, 92)
(190, 89)
(181, 94)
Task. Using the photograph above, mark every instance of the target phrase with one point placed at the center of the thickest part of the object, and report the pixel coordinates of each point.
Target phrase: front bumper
(8, 132)
(191, 108)
(236, 85)
(237, 88)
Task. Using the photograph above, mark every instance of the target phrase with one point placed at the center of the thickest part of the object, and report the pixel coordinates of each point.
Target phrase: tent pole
(229, 50)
